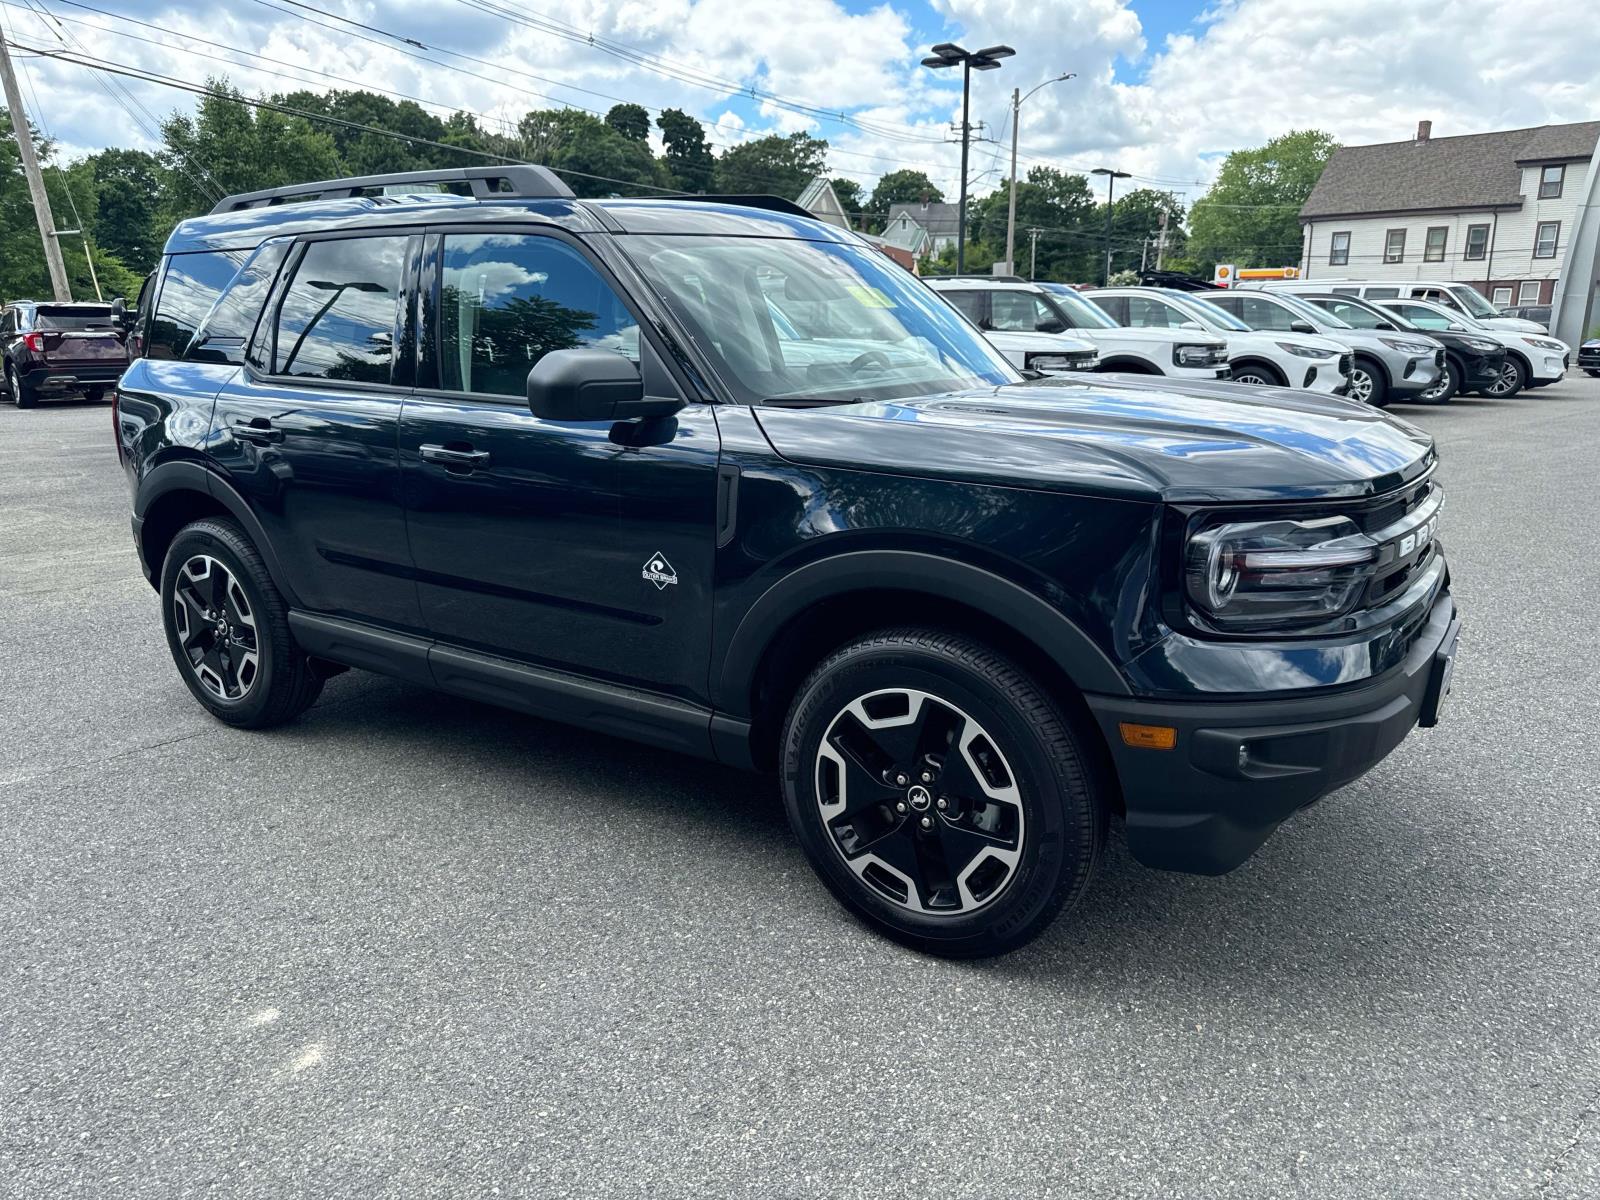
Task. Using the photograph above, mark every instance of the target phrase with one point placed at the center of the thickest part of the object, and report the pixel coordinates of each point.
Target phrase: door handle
(256, 429)
(447, 456)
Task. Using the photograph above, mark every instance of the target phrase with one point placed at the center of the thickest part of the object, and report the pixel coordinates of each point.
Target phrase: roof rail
(980, 275)
(519, 181)
(775, 204)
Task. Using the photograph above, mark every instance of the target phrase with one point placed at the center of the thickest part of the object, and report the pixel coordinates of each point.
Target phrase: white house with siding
(1513, 213)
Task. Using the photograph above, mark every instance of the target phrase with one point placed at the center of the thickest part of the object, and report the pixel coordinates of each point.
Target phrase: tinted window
(1022, 312)
(1264, 314)
(507, 300)
(337, 317)
(233, 319)
(1145, 313)
(1115, 307)
(191, 286)
(1352, 315)
(1381, 293)
(74, 320)
(1423, 318)
(970, 304)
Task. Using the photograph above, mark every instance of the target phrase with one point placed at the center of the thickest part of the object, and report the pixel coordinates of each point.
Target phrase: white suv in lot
(1008, 308)
(1301, 360)
(1005, 307)
(1460, 297)
(1039, 341)
(1533, 360)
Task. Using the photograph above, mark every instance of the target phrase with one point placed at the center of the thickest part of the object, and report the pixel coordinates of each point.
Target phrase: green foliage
(630, 120)
(851, 195)
(596, 159)
(899, 187)
(775, 165)
(687, 155)
(1250, 217)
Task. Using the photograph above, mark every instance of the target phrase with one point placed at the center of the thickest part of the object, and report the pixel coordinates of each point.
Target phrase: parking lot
(410, 944)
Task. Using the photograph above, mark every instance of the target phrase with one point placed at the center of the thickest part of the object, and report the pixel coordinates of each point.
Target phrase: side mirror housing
(121, 315)
(1302, 327)
(1191, 325)
(591, 385)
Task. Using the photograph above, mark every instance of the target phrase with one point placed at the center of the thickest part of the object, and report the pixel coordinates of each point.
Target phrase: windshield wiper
(813, 401)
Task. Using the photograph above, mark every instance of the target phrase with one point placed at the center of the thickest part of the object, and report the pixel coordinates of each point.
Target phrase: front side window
(1022, 312)
(1544, 243)
(969, 304)
(1259, 313)
(1079, 313)
(786, 318)
(1470, 301)
(191, 286)
(1528, 291)
(1339, 249)
(1433, 248)
(337, 319)
(1394, 246)
(506, 300)
(1477, 242)
(1551, 180)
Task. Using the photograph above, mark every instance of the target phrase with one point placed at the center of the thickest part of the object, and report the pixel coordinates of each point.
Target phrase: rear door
(585, 546)
(307, 431)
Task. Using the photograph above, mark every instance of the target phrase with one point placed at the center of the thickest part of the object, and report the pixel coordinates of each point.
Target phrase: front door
(584, 546)
(308, 432)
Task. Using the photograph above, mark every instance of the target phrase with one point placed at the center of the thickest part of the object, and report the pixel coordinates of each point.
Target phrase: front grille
(1083, 360)
(1405, 522)
(1347, 362)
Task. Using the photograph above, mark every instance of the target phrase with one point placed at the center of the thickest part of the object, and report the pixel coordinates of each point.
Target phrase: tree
(1061, 207)
(594, 159)
(851, 196)
(1250, 217)
(630, 120)
(780, 166)
(688, 155)
(128, 222)
(899, 187)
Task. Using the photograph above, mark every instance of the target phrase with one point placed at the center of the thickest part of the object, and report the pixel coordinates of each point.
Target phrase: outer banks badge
(659, 571)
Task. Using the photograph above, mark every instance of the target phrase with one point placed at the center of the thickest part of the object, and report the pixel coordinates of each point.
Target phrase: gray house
(938, 221)
(1514, 213)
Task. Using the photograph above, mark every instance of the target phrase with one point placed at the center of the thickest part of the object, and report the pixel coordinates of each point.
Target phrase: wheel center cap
(920, 798)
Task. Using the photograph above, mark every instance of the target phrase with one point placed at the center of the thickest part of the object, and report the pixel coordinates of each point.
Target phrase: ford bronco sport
(721, 478)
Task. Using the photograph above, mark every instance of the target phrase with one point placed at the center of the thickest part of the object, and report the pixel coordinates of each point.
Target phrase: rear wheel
(228, 629)
(95, 395)
(1448, 384)
(1510, 381)
(939, 793)
(22, 395)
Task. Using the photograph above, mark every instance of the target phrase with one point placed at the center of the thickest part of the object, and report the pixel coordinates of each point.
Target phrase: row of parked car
(1378, 348)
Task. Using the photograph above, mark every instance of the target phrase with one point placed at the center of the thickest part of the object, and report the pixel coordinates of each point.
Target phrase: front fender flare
(862, 570)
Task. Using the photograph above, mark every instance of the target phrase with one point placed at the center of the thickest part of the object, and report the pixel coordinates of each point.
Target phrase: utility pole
(1161, 240)
(30, 168)
(1016, 116)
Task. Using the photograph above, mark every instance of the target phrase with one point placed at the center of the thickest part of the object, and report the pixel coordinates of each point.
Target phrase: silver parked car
(1388, 366)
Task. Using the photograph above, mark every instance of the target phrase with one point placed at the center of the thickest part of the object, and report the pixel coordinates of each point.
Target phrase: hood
(1520, 324)
(1027, 342)
(1156, 336)
(1160, 440)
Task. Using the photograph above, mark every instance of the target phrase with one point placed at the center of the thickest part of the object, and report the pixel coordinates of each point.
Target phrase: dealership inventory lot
(410, 944)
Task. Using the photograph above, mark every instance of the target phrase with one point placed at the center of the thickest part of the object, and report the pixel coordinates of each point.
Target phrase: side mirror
(1051, 326)
(1302, 327)
(591, 385)
(121, 315)
(1191, 325)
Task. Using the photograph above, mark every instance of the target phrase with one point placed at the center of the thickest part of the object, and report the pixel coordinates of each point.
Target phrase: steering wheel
(871, 358)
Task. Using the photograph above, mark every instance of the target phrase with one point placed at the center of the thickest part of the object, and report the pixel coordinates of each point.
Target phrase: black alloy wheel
(1509, 382)
(216, 628)
(939, 793)
(1443, 390)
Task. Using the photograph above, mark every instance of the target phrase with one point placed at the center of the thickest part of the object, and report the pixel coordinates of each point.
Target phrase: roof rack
(775, 204)
(522, 181)
(980, 275)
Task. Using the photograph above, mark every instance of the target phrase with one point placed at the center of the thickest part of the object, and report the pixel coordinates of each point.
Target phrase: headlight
(1255, 574)
(1482, 345)
(1196, 356)
(1300, 351)
(1406, 347)
(1086, 361)
(1545, 343)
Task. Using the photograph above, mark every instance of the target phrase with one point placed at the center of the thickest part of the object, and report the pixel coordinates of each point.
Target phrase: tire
(1369, 383)
(1446, 388)
(253, 676)
(1513, 377)
(1591, 373)
(22, 395)
(1257, 374)
(95, 395)
(1001, 834)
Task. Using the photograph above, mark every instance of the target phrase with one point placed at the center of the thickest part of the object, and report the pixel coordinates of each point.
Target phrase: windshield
(1471, 300)
(1310, 312)
(1079, 313)
(782, 318)
(1208, 312)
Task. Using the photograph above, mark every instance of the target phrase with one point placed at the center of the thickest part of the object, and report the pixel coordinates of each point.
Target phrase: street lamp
(948, 54)
(1112, 175)
(1011, 218)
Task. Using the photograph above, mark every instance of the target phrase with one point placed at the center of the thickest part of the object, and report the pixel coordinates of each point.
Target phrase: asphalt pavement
(412, 946)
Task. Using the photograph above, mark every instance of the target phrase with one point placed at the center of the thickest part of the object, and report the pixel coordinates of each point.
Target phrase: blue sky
(1164, 88)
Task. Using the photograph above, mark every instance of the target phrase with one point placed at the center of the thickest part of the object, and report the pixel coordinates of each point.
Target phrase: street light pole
(1011, 218)
(948, 54)
(1112, 175)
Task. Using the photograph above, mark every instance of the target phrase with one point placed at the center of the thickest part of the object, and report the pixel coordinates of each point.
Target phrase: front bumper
(1546, 367)
(1241, 768)
(1589, 359)
(1411, 376)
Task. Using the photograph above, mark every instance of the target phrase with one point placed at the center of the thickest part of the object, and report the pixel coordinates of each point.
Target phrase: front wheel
(1445, 387)
(1367, 385)
(228, 629)
(1509, 382)
(940, 794)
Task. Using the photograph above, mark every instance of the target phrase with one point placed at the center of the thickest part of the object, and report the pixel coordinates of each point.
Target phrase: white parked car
(1301, 360)
(1461, 297)
(1034, 344)
(1532, 359)
(1003, 306)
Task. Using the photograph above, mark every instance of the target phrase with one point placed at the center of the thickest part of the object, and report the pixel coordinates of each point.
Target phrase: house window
(1394, 246)
(1433, 248)
(1528, 291)
(1501, 297)
(1477, 241)
(1544, 243)
(1339, 249)
(1550, 181)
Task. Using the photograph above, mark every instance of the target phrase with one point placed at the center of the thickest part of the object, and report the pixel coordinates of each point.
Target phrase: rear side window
(1145, 313)
(969, 304)
(1115, 307)
(1264, 314)
(191, 286)
(337, 319)
(233, 319)
(1382, 293)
